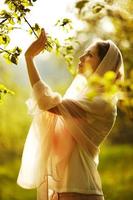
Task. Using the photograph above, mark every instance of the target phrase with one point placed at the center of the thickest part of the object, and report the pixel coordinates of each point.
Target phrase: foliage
(17, 15)
(94, 14)
(11, 55)
(66, 48)
(103, 85)
(107, 87)
(15, 122)
(3, 91)
(109, 19)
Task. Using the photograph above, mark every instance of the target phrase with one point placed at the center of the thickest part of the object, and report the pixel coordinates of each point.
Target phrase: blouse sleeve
(42, 98)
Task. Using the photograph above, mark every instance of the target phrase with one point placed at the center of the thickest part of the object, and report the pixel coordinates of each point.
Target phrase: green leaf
(97, 8)
(11, 6)
(7, 58)
(27, 3)
(91, 94)
(4, 39)
(11, 21)
(65, 23)
(81, 4)
(4, 91)
(19, 50)
(14, 59)
(110, 75)
(36, 27)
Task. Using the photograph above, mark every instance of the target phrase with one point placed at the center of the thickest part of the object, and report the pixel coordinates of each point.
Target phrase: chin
(80, 70)
(80, 67)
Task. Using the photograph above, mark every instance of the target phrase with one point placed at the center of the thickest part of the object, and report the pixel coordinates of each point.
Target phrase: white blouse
(71, 162)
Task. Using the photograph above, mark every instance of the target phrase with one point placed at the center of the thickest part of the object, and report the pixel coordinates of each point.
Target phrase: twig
(3, 21)
(30, 27)
(5, 50)
(24, 19)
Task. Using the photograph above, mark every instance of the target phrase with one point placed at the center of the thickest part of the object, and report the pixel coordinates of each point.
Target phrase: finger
(42, 40)
(43, 36)
(43, 30)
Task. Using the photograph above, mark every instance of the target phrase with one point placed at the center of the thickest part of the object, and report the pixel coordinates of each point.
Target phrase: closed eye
(88, 53)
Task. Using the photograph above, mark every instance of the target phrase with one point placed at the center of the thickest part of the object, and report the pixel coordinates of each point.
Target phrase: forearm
(32, 71)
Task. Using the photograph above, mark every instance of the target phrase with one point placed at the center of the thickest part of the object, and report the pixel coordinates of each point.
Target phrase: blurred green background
(116, 156)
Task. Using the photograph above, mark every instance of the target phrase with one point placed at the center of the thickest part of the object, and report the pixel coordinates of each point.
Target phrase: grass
(9, 190)
(115, 168)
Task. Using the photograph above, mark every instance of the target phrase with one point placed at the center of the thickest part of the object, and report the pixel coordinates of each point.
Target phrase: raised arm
(34, 49)
(46, 98)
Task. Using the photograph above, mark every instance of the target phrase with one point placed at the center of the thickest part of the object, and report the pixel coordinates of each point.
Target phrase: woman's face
(89, 59)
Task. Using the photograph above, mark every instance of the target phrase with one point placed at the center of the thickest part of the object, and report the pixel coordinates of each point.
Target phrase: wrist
(27, 56)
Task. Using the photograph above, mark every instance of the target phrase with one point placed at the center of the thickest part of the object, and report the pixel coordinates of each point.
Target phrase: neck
(86, 74)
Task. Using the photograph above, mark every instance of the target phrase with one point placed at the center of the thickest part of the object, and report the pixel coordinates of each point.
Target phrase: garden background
(105, 19)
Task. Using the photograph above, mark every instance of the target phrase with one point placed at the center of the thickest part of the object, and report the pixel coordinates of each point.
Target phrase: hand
(37, 46)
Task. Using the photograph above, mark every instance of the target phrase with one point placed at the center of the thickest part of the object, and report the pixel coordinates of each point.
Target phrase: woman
(62, 147)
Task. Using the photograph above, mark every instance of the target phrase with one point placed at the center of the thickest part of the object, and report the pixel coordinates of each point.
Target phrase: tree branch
(30, 26)
(24, 19)
(3, 21)
(5, 50)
